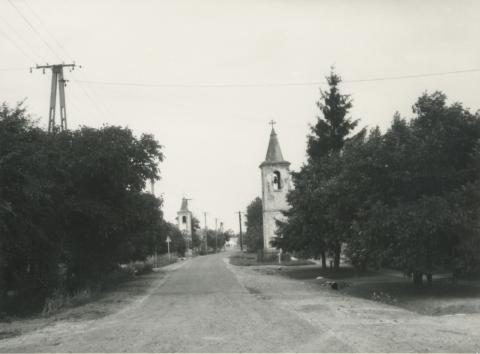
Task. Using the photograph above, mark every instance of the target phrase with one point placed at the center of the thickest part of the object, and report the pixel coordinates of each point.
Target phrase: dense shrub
(72, 208)
(407, 199)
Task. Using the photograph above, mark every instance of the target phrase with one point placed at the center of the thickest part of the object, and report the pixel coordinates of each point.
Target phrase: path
(208, 305)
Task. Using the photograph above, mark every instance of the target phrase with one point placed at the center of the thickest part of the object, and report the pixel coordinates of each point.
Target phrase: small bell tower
(184, 218)
(276, 182)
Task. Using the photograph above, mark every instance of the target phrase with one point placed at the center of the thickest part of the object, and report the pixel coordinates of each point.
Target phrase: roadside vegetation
(251, 259)
(254, 235)
(391, 288)
(74, 217)
(406, 199)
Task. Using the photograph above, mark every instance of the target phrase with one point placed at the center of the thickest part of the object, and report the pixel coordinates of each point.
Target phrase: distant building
(184, 219)
(276, 182)
(232, 242)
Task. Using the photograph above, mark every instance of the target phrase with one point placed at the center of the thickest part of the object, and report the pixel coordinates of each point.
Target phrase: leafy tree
(178, 243)
(406, 199)
(314, 226)
(71, 205)
(442, 166)
(254, 234)
(109, 169)
(216, 240)
(30, 193)
(418, 179)
(196, 240)
(300, 234)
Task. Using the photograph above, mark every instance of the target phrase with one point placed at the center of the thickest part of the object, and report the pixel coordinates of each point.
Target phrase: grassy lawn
(442, 298)
(250, 259)
(314, 272)
(389, 287)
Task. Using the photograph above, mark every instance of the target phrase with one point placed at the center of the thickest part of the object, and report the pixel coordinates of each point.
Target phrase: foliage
(329, 133)
(407, 199)
(254, 235)
(196, 240)
(420, 181)
(216, 240)
(317, 218)
(72, 205)
(178, 242)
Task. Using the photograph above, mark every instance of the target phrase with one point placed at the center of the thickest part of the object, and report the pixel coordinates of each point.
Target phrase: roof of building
(184, 206)
(274, 153)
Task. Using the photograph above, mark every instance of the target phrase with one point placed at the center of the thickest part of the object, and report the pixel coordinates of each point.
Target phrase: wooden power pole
(240, 224)
(57, 80)
(206, 231)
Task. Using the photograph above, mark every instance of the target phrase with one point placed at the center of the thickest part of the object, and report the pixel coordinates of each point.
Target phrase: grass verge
(250, 259)
(391, 288)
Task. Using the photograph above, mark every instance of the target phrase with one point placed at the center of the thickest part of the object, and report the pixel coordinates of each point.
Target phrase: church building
(276, 182)
(184, 218)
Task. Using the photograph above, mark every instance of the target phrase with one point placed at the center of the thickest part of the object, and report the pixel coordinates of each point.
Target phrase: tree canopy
(310, 230)
(405, 199)
(72, 205)
(254, 223)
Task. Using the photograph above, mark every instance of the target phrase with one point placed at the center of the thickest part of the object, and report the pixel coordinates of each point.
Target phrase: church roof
(184, 206)
(274, 153)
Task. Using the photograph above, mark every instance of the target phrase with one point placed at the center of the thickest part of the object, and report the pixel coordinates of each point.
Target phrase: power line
(90, 98)
(313, 83)
(30, 57)
(85, 91)
(33, 28)
(47, 30)
(414, 76)
(15, 43)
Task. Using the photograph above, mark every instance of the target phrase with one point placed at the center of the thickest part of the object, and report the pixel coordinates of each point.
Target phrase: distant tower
(275, 186)
(184, 218)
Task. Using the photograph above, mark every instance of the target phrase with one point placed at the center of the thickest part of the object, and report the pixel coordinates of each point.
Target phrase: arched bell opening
(277, 181)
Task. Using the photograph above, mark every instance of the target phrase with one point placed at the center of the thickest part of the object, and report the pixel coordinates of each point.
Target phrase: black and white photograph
(226, 176)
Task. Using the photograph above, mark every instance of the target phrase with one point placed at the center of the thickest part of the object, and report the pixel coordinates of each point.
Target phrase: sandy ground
(207, 305)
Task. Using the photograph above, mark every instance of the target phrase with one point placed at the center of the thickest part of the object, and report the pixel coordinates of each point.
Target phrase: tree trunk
(417, 279)
(336, 259)
(324, 260)
(429, 279)
(455, 274)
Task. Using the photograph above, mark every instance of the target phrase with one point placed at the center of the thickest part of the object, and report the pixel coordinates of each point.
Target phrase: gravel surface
(207, 305)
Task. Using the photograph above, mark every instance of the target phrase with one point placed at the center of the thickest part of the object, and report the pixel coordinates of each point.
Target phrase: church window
(277, 181)
(184, 219)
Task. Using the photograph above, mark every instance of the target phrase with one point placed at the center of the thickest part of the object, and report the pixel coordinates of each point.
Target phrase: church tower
(184, 218)
(275, 186)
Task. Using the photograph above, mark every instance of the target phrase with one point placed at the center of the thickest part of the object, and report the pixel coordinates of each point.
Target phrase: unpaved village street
(207, 305)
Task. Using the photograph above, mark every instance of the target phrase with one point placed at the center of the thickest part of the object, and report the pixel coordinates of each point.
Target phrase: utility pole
(57, 80)
(224, 239)
(216, 235)
(206, 230)
(152, 186)
(240, 224)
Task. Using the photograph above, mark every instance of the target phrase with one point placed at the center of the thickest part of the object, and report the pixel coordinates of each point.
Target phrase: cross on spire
(272, 123)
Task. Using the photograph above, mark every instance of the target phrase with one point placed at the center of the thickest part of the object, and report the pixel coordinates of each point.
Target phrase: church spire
(274, 153)
(184, 206)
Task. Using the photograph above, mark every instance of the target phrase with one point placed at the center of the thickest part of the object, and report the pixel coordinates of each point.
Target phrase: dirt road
(207, 305)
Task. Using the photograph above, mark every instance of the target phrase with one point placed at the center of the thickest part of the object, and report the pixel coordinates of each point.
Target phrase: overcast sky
(215, 72)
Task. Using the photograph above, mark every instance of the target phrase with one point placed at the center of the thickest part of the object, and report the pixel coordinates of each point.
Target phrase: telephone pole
(206, 231)
(216, 234)
(57, 80)
(240, 224)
